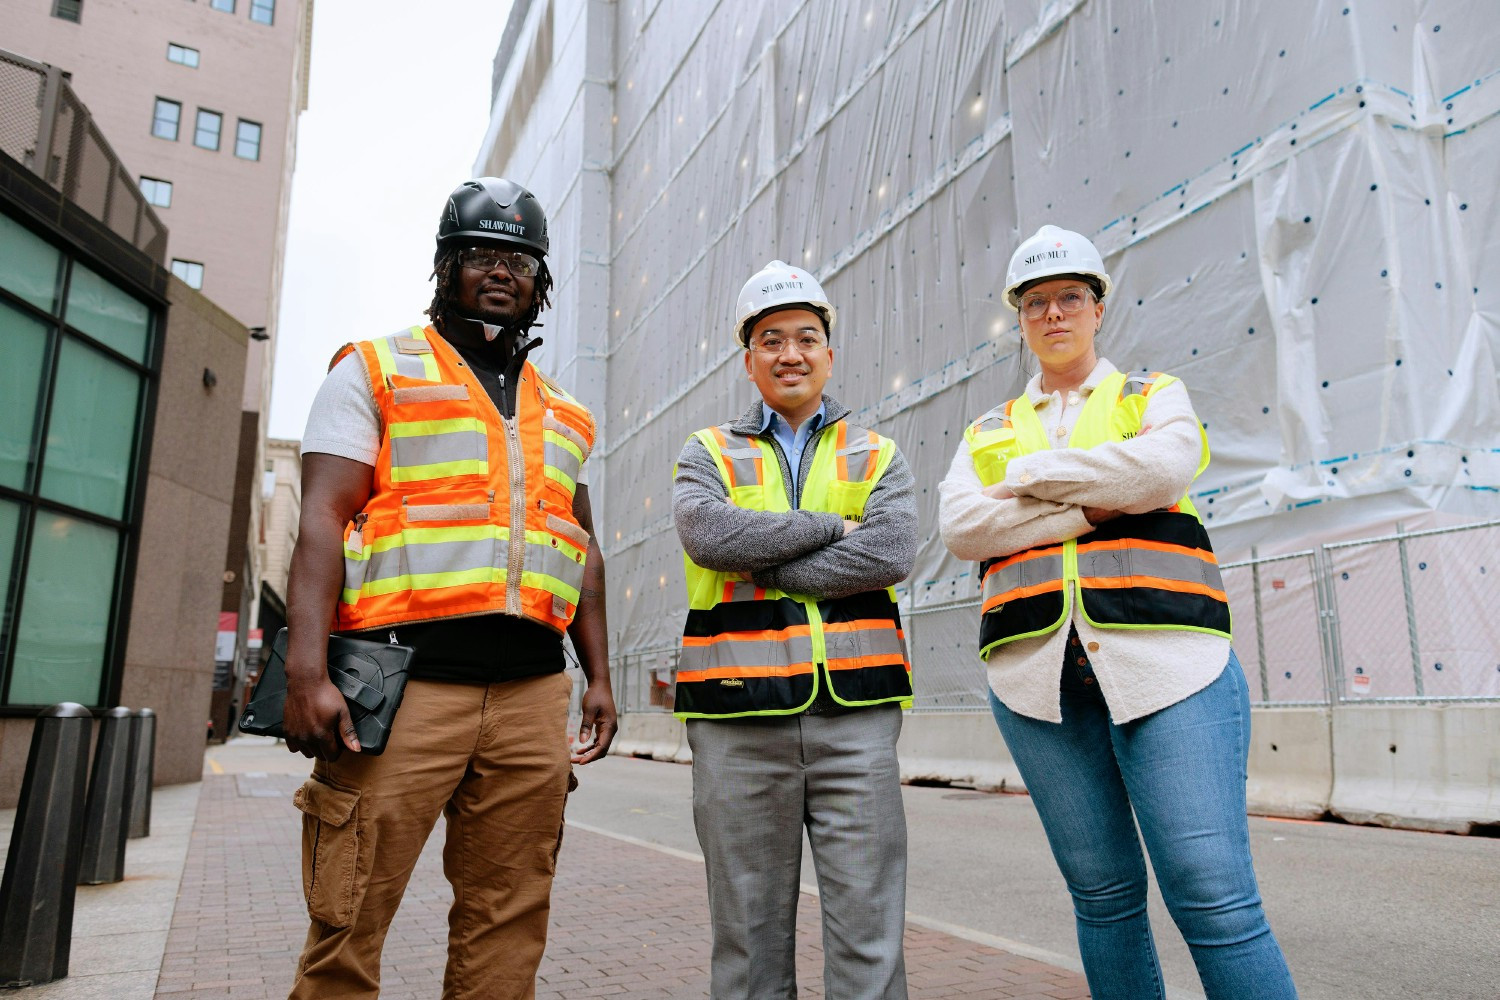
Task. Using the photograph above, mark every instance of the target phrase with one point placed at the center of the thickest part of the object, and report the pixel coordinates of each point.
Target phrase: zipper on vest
(517, 464)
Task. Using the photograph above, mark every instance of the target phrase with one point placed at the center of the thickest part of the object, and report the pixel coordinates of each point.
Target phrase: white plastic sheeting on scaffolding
(1296, 202)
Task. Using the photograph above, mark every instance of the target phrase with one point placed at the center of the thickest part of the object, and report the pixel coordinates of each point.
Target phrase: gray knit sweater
(798, 551)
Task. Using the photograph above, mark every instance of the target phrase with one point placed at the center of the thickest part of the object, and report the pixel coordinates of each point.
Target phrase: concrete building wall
(227, 213)
(281, 508)
(189, 495)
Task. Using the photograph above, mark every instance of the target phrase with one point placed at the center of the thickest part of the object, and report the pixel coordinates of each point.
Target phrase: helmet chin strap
(491, 330)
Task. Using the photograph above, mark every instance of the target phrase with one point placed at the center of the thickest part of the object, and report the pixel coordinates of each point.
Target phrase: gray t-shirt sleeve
(344, 419)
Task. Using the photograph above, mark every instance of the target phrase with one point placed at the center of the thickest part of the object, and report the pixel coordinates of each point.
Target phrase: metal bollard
(107, 814)
(41, 867)
(143, 768)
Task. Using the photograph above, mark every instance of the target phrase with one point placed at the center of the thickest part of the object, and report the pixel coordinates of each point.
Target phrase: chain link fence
(46, 128)
(1404, 617)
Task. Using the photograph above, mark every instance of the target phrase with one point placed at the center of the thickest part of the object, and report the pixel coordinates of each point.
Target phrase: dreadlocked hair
(445, 270)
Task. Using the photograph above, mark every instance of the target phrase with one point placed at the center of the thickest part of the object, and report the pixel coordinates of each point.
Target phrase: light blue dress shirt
(792, 444)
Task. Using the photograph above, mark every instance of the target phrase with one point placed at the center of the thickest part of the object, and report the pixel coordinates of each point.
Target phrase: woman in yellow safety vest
(1105, 631)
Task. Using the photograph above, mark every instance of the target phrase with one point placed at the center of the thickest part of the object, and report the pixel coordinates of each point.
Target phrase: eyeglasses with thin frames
(1069, 301)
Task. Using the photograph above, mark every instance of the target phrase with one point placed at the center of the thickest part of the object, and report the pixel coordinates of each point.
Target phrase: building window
(165, 119)
(190, 271)
(247, 140)
(71, 10)
(206, 133)
(263, 11)
(76, 373)
(182, 55)
(158, 192)
(227, 6)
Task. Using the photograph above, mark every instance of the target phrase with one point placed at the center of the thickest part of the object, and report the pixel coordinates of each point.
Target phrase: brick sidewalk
(628, 922)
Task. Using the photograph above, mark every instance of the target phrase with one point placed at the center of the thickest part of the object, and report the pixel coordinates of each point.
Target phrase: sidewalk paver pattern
(628, 922)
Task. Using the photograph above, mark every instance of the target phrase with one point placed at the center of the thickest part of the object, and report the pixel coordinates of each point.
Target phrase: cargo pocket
(333, 873)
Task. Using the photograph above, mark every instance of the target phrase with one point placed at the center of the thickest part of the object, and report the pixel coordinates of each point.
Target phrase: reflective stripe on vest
(1153, 570)
(747, 650)
(459, 521)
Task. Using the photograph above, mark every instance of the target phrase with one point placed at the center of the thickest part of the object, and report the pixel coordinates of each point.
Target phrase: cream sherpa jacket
(1139, 672)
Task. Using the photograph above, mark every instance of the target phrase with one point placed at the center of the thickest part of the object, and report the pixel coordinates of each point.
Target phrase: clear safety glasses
(806, 342)
(520, 265)
(1069, 301)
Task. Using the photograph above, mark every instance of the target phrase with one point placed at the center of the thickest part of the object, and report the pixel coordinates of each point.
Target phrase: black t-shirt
(482, 649)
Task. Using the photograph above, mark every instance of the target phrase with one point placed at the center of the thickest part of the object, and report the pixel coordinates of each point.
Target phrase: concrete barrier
(658, 735)
(1291, 762)
(1420, 767)
(962, 748)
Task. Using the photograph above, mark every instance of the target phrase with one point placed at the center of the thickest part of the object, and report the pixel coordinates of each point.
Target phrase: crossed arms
(798, 551)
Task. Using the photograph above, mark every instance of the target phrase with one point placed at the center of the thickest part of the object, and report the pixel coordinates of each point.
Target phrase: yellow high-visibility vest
(749, 650)
(1137, 571)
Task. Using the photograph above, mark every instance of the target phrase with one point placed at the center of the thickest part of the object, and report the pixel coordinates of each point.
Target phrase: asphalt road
(1363, 913)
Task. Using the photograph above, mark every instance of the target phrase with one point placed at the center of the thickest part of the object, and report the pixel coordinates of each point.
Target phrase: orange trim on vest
(1017, 593)
(769, 670)
(1156, 582)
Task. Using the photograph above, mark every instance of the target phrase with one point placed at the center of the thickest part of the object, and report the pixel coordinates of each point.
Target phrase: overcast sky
(399, 102)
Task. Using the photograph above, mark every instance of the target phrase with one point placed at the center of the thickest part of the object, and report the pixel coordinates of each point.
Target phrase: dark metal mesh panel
(81, 163)
(20, 109)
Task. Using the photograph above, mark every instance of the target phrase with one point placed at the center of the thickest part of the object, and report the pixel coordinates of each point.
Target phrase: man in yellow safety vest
(795, 526)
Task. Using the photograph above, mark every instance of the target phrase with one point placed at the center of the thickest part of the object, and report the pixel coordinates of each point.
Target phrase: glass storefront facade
(78, 365)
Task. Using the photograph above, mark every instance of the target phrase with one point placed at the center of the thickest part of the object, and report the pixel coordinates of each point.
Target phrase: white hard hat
(1050, 252)
(778, 284)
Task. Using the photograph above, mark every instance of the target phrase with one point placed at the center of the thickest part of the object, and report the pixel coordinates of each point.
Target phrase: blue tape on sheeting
(1457, 92)
(1246, 146)
(1306, 503)
(1334, 461)
(1313, 107)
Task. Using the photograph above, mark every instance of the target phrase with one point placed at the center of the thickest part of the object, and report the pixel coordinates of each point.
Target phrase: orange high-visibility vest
(748, 650)
(1136, 571)
(471, 512)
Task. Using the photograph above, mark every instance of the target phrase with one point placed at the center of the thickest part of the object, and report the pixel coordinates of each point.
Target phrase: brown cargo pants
(493, 759)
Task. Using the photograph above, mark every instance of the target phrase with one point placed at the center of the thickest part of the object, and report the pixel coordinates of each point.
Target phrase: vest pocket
(335, 861)
(447, 506)
(848, 499)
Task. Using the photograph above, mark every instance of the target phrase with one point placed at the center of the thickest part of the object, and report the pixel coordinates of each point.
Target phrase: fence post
(1260, 632)
(47, 126)
(1329, 625)
(1411, 612)
(41, 866)
(105, 826)
(143, 773)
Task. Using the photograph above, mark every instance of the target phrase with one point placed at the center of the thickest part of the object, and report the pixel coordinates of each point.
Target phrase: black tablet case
(370, 675)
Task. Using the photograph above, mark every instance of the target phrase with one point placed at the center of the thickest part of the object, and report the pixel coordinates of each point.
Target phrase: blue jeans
(1181, 771)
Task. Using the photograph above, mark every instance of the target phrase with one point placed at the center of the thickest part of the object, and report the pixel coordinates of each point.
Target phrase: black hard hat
(492, 208)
